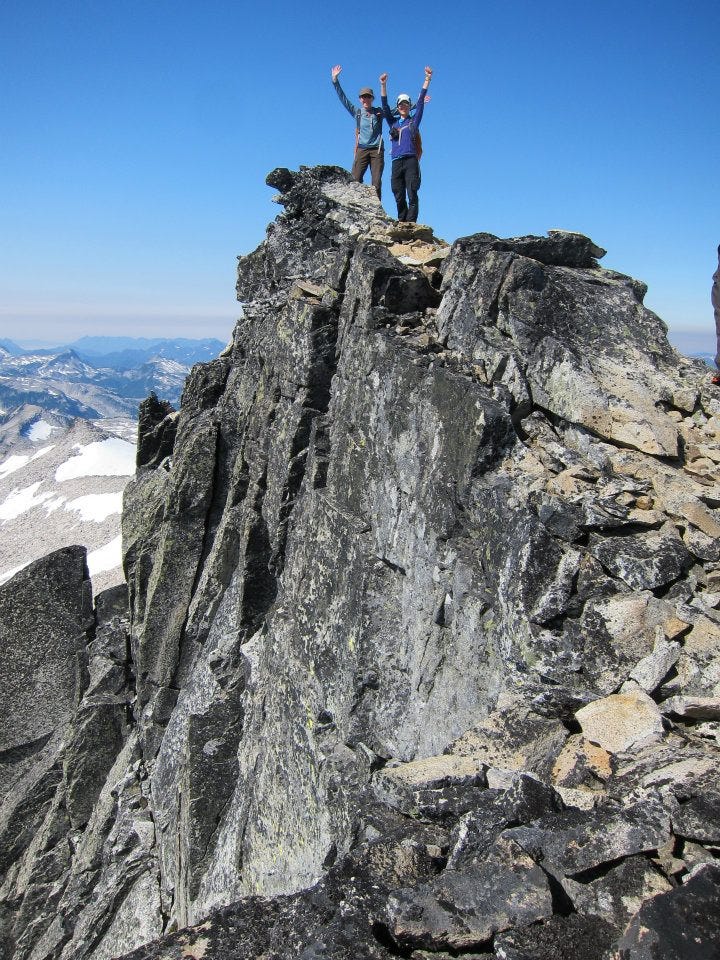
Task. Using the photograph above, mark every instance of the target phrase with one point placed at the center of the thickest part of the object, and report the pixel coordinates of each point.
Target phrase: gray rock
(45, 613)
(617, 895)
(576, 841)
(643, 560)
(683, 924)
(156, 431)
(621, 721)
(384, 553)
(650, 671)
(559, 938)
(699, 818)
(465, 909)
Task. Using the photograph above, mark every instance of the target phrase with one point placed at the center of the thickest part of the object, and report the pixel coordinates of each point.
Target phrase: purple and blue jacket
(404, 145)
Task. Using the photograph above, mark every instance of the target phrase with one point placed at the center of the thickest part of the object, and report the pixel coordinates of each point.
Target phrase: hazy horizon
(689, 341)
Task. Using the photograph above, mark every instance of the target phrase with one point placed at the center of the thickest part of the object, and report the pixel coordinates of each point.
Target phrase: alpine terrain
(419, 654)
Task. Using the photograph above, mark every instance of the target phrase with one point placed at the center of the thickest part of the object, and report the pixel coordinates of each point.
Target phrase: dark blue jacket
(404, 144)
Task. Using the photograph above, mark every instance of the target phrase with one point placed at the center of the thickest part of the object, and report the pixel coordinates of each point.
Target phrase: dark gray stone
(683, 924)
(465, 909)
(575, 841)
(45, 612)
(156, 431)
(559, 938)
(644, 561)
(699, 818)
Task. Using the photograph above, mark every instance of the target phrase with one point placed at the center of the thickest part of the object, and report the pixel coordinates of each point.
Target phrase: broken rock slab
(683, 924)
(652, 669)
(575, 841)
(644, 561)
(621, 721)
(692, 708)
(433, 786)
(513, 738)
(618, 894)
(582, 764)
(45, 613)
(698, 819)
(462, 910)
(574, 937)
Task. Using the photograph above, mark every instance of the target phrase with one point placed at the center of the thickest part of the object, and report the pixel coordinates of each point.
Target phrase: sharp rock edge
(419, 652)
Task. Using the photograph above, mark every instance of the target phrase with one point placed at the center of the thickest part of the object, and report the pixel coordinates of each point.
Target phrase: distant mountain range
(125, 353)
(62, 482)
(67, 441)
(98, 377)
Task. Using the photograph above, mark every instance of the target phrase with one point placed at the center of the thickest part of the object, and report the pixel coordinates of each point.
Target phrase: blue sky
(136, 136)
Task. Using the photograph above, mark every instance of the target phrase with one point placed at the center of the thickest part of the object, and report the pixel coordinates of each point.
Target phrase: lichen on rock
(422, 651)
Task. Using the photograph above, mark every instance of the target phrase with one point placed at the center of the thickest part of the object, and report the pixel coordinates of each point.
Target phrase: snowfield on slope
(67, 492)
(105, 458)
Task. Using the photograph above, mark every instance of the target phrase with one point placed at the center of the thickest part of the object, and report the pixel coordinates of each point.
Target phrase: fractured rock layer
(424, 585)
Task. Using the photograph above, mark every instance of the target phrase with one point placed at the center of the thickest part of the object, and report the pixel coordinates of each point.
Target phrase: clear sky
(136, 136)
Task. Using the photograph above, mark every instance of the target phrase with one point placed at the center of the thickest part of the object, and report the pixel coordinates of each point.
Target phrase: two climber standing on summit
(406, 146)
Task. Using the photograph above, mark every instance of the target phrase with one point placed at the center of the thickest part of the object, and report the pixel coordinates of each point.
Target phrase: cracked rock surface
(423, 643)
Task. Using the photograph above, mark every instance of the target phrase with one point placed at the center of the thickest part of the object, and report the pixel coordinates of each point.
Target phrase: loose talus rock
(421, 648)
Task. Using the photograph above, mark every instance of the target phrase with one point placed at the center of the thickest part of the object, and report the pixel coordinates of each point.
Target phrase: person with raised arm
(369, 146)
(405, 148)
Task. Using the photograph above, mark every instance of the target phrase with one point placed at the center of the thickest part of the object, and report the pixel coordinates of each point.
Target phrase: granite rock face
(424, 645)
(66, 686)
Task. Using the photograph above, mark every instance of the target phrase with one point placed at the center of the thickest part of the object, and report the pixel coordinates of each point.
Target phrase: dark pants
(406, 179)
(369, 157)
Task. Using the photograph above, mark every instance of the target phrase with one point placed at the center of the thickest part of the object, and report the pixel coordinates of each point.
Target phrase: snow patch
(97, 506)
(105, 558)
(40, 430)
(104, 458)
(42, 451)
(20, 501)
(13, 463)
(52, 505)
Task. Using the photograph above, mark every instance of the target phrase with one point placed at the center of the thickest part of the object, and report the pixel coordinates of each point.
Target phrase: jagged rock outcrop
(64, 717)
(424, 581)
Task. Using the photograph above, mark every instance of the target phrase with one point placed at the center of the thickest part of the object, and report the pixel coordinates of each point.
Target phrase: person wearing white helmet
(369, 146)
(405, 181)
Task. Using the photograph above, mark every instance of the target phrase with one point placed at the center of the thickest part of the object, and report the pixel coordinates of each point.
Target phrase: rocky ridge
(423, 648)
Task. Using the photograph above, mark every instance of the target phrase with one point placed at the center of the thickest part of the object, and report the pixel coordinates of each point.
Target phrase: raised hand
(383, 77)
(428, 73)
(335, 72)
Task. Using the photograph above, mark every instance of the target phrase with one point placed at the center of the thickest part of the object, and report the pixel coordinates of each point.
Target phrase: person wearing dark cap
(405, 148)
(369, 147)
(715, 299)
